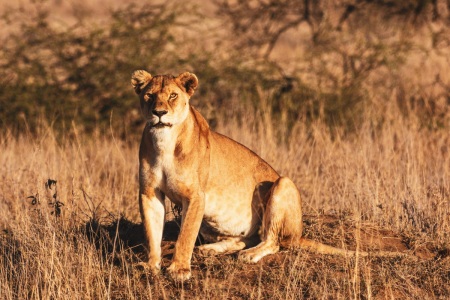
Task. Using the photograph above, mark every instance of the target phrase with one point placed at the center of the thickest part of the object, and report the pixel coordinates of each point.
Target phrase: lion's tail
(320, 248)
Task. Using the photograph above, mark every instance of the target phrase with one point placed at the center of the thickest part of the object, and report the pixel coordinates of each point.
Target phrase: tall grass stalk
(393, 176)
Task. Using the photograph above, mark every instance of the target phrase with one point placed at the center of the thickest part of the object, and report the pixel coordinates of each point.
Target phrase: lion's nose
(159, 113)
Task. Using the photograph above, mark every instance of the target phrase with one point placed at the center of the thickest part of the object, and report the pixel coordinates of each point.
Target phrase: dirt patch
(344, 232)
(291, 272)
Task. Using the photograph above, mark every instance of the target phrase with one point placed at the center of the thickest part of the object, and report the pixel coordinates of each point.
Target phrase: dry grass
(384, 186)
(381, 188)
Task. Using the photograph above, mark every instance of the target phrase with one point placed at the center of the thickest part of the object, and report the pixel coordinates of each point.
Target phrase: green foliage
(80, 74)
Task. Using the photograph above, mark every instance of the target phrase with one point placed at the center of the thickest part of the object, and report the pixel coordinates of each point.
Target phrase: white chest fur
(162, 166)
(163, 139)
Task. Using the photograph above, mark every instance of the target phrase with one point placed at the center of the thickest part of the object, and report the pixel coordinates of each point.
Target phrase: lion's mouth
(161, 125)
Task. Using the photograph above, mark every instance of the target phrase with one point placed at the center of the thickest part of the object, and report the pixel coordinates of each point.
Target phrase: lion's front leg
(193, 210)
(151, 203)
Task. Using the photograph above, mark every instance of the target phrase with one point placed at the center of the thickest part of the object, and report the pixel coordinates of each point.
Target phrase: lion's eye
(148, 96)
(173, 95)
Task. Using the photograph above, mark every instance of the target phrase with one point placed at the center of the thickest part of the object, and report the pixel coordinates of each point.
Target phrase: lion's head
(164, 98)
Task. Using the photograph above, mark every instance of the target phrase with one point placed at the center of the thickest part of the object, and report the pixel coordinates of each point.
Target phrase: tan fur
(227, 193)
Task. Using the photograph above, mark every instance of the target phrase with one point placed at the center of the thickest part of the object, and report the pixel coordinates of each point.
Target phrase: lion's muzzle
(159, 113)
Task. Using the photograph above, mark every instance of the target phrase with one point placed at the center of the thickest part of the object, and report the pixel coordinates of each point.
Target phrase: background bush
(353, 60)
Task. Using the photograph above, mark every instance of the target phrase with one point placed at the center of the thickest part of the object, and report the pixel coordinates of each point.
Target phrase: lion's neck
(166, 140)
(163, 140)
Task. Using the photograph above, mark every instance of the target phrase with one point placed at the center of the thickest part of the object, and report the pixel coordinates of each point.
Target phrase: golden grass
(383, 187)
(388, 184)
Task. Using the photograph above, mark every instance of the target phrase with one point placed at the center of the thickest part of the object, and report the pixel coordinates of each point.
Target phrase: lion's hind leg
(282, 220)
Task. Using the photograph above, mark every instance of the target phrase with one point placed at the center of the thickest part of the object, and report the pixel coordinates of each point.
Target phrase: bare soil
(294, 273)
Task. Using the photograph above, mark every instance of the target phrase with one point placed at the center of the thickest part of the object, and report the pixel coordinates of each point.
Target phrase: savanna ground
(361, 125)
(370, 192)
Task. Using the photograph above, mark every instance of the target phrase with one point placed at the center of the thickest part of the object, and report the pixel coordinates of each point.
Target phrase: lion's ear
(139, 80)
(189, 81)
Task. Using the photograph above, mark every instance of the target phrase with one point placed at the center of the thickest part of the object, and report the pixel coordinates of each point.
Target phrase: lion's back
(233, 160)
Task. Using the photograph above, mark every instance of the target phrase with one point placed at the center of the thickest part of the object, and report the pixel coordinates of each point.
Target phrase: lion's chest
(160, 169)
(164, 176)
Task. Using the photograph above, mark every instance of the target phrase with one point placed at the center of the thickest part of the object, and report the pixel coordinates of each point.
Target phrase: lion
(228, 194)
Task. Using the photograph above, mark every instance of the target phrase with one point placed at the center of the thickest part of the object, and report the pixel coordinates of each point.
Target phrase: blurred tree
(82, 72)
(259, 24)
(348, 41)
(62, 74)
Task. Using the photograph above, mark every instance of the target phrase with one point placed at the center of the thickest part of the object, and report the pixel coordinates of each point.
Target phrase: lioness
(229, 194)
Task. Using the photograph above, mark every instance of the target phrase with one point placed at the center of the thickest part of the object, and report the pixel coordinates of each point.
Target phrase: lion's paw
(253, 255)
(249, 256)
(179, 273)
(206, 250)
(153, 266)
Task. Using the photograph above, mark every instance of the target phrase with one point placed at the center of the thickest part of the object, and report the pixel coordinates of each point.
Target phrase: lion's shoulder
(201, 122)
